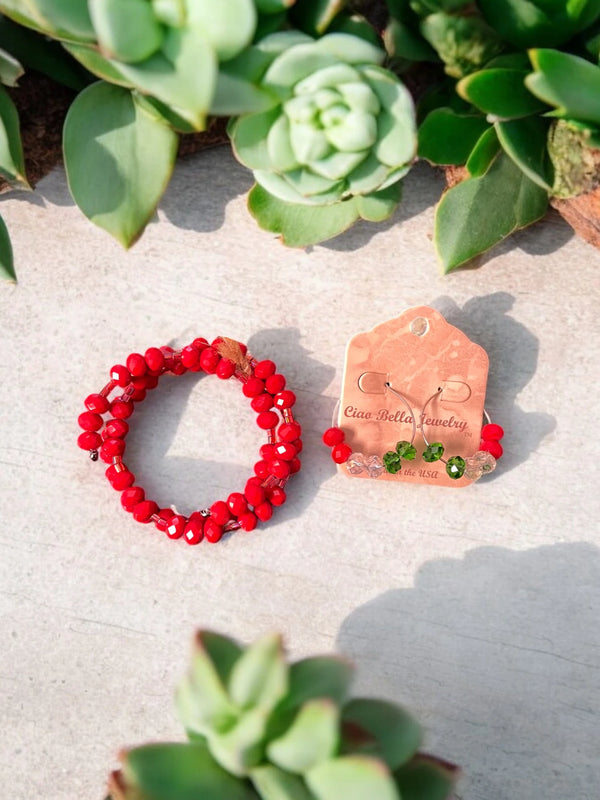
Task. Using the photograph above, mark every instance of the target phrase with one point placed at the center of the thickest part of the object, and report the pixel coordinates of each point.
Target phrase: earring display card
(417, 354)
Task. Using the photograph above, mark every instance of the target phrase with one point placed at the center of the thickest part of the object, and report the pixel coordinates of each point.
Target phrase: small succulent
(262, 729)
(337, 142)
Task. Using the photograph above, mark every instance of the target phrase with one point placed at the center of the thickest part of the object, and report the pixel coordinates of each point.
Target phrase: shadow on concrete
(513, 352)
(499, 656)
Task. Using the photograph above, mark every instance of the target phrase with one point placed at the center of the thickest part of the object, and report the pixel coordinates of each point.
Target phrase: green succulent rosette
(336, 143)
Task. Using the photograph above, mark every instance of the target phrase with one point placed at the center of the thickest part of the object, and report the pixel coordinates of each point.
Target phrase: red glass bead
(96, 403)
(111, 448)
(201, 343)
(491, 431)
(264, 369)
(288, 431)
(120, 374)
(115, 428)
(297, 443)
(219, 512)
(190, 356)
(285, 399)
(277, 467)
(261, 469)
(209, 360)
(253, 387)
(225, 369)
(236, 502)
(89, 440)
(255, 495)
(340, 453)
(264, 511)
(139, 382)
(295, 466)
(151, 382)
(90, 421)
(144, 510)
(177, 368)
(276, 496)
(274, 383)
(131, 497)
(333, 436)
(262, 402)
(137, 395)
(267, 451)
(267, 420)
(136, 364)
(162, 519)
(120, 480)
(154, 359)
(212, 531)
(248, 521)
(193, 533)
(176, 526)
(121, 409)
(493, 447)
(284, 450)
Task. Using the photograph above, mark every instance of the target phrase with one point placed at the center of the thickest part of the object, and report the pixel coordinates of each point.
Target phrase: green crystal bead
(455, 467)
(391, 462)
(433, 452)
(406, 450)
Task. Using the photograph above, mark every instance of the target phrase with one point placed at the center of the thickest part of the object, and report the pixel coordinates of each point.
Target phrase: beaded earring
(392, 460)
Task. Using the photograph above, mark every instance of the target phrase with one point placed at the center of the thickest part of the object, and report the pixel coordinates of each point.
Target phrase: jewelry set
(415, 355)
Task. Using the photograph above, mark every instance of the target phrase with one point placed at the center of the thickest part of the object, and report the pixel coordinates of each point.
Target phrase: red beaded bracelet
(261, 383)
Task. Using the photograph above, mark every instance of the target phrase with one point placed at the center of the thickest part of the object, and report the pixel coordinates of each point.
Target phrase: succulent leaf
(127, 30)
(485, 151)
(7, 267)
(568, 82)
(241, 747)
(229, 27)
(426, 778)
(12, 166)
(545, 23)
(464, 44)
(97, 64)
(315, 16)
(10, 69)
(312, 737)
(500, 92)
(319, 676)
(525, 141)
(273, 783)
(61, 18)
(353, 778)
(259, 677)
(446, 137)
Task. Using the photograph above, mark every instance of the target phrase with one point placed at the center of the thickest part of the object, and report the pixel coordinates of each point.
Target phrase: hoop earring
(392, 460)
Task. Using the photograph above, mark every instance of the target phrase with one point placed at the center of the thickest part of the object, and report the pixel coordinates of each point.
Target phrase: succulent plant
(337, 142)
(262, 729)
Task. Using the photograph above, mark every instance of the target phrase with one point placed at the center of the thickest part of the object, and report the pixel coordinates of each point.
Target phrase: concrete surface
(477, 609)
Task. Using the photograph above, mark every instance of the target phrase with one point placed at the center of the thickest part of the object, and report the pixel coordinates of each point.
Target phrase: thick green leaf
(315, 16)
(127, 30)
(479, 212)
(446, 137)
(403, 41)
(24, 15)
(273, 6)
(352, 778)
(379, 206)
(545, 23)
(464, 44)
(259, 677)
(235, 95)
(312, 737)
(91, 59)
(12, 166)
(179, 772)
(273, 783)
(426, 778)
(525, 141)
(154, 107)
(568, 82)
(319, 676)
(485, 150)
(7, 267)
(501, 92)
(241, 748)
(391, 732)
(10, 69)
(63, 18)
(118, 159)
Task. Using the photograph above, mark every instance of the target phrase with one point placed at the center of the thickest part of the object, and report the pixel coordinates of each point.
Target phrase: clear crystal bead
(480, 463)
(356, 463)
(374, 466)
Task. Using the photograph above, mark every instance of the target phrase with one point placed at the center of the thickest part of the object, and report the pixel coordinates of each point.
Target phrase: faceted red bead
(225, 369)
(255, 495)
(219, 512)
(340, 453)
(144, 510)
(111, 448)
(267, 420)
(295, 466)
(162, 519)
(264, 511)
(288, 431)
(285, 399)
(261, 468)
(262, 402)
(136, 364)
(209, 360)
(154, 359)
(277, 467)
(333, 436)
(115, 428)
(89, 440)
(131, 497)
(275, 383)
(90, 421)
(120, 374)
(264, 369)
(176, 526)
(277, 496)
(491, 431)
(121, 409)
(248, 521)
(120, 480)
(267, 451)
(284, 450)
(212, 531)
(193, 533)
(493, 447)
(97, 403)
(201, 343)
(253, 387)
(236, 502)
(190, 356)
(177, 367)
(297, 443)
(255, 480)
